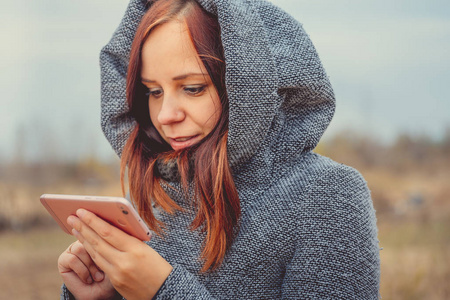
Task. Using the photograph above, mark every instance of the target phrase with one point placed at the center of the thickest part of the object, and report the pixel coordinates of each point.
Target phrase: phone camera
(125, 212)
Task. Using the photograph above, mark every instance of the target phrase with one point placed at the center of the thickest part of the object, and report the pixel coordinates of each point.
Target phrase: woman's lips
(183, 142)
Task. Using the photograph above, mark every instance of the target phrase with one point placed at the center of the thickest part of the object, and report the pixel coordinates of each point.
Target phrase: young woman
(225, 101)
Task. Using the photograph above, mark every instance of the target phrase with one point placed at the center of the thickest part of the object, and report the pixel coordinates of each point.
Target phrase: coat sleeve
(337, 252)
(65, 293)
(181, 284)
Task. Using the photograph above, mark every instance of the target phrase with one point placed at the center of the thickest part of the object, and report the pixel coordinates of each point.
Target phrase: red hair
(215, 195)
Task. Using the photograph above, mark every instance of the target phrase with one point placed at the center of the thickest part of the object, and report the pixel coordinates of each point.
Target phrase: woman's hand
(81, 276)
(135, 270)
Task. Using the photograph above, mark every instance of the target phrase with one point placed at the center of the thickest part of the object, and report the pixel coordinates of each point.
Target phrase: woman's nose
(171, 111)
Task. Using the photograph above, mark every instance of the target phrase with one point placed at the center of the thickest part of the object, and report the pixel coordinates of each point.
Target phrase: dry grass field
(412, 201)
(28, 265)
(30, 241)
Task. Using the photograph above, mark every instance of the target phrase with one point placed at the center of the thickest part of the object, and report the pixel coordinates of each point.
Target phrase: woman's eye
(195, 90)
(154, 93)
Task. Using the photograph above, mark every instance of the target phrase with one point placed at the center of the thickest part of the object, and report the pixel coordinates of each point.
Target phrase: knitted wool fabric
(308, 227)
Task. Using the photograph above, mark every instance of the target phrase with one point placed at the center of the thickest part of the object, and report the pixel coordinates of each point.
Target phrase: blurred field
(410, 187)
(30, 241)
(29, 263)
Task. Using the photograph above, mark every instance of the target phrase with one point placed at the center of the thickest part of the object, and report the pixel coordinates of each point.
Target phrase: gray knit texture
(308, 227)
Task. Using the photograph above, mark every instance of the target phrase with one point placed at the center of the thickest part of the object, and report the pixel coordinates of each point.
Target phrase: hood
(280, 98)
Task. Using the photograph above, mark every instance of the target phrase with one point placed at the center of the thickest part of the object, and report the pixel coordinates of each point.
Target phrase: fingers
(112, 235)
(94, 234)
(79, 251)
(76, 259)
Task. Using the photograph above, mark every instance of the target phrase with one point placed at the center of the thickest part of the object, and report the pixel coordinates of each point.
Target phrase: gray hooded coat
(308, 227)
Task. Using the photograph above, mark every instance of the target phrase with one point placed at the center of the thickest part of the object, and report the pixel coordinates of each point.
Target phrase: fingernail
(89, 280)
(70, 221)
(98, 276)
(75, 232)
(81, 212)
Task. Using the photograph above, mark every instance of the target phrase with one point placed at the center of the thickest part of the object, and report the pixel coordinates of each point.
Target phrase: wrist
(165, 270)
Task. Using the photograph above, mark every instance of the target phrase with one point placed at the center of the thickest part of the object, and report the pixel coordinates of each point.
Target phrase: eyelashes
(154, 93)
(191, 90)
(195, 90)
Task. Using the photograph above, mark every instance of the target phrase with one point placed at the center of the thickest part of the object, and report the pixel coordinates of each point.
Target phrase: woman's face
(184, 104)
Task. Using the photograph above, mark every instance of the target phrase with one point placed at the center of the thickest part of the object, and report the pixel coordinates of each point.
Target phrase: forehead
(168, 51)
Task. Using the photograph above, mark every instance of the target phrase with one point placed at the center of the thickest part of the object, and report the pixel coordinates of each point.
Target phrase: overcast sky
(388, 61)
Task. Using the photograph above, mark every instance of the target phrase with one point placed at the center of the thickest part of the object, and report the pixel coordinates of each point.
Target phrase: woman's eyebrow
(184, 76)
(179, 77)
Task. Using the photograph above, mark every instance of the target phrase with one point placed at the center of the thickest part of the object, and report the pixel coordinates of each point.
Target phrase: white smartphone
(114, 210)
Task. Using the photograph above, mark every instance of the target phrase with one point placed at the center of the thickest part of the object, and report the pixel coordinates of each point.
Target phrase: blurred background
(389, 64)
